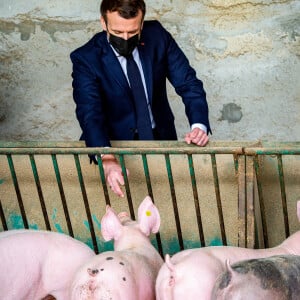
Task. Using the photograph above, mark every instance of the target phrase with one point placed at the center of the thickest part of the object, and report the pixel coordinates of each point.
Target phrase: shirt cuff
(200, 126)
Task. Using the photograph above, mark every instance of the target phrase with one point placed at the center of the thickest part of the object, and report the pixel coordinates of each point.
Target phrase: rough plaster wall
(245, 51)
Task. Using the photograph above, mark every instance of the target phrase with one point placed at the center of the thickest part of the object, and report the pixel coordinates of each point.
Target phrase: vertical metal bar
(147, 175)
(103, 180)
(86, 203)
(239, 164)
(244, 171)
(39, 189)
(196, 199)
(283, 195)
(17, 189)
(2, 217)
(218, 198)
(129, 199)
(174, 201)
(62, 195)
(250, 217)
(150, 193)
(261, 201)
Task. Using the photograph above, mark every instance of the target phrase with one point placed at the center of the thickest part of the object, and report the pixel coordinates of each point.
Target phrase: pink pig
(191, 274)
(129, 272)
(36, 264)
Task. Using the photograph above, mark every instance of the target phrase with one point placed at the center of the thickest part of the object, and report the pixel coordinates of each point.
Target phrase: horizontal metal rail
(272, 151)
(123, 151)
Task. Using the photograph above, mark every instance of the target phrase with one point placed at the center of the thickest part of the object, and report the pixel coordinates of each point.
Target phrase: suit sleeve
(183, 77)
(87, 97)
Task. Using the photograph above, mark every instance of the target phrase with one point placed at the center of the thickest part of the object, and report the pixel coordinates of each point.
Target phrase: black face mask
(122, 46)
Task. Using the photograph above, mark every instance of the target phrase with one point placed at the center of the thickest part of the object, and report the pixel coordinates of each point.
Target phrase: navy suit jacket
(104, 105)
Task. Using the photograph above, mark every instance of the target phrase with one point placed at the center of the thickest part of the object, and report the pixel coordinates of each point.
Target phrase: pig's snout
(123, 214)
(92, 272)
(124, 218)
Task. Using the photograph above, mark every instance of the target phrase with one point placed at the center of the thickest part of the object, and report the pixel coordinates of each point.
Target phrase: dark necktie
(144, 127)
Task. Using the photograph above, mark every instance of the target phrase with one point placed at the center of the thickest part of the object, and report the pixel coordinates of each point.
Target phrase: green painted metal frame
(245, 156)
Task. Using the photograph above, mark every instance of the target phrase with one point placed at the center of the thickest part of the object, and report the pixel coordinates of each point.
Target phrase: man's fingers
(115, 181)
(116, 188)
(118, 191)
(197, 137)
(203, 141)
(192, 136)
(189, 137)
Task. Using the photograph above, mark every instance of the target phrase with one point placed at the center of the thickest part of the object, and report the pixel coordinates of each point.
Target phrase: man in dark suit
(108, 92)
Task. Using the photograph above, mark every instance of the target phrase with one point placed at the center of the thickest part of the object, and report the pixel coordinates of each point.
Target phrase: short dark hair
(127, 9)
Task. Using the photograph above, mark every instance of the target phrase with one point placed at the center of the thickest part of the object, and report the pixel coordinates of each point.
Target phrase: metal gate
(206, 196)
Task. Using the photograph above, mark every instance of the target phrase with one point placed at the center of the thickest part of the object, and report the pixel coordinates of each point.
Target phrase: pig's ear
(148, 217)
(111, 226)
(298, 210)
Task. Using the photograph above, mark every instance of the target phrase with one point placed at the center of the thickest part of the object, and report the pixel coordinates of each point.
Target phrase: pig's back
(36, 263)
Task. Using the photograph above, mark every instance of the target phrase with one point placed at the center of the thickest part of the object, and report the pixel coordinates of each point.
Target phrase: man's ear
(103, 24)
(140, 33)
(142, 25)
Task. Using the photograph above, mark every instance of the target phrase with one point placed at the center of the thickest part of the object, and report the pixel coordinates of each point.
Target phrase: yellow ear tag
(148, 213)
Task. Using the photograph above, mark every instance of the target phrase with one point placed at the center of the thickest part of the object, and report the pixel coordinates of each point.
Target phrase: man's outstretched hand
(113, 174)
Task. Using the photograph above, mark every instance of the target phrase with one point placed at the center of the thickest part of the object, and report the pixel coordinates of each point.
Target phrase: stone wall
(245, 51)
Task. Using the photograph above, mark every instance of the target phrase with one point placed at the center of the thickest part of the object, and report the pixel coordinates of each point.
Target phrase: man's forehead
(116, 22)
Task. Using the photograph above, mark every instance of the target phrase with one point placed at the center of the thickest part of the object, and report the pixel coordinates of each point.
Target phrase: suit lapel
(112, 64)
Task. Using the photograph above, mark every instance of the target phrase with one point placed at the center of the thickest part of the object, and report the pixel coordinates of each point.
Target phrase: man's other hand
(197, 137)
